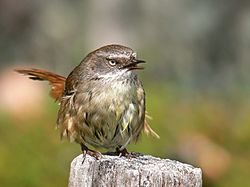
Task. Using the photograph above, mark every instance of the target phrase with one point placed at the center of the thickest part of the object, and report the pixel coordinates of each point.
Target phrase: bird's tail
(57, 82)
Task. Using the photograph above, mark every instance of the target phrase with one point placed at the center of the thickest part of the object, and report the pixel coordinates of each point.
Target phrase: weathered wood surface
(141, 171)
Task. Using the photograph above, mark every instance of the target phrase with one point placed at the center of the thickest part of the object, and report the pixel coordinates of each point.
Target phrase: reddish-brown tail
(56, 81)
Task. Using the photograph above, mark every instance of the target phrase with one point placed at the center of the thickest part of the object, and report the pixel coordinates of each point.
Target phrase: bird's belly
(107, 140)
(112, 126)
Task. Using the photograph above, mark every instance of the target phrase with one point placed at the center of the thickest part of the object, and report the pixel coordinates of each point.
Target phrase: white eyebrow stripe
(121, 55)
(118, 56)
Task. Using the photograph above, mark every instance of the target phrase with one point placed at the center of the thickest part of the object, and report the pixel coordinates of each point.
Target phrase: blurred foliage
(196, 80)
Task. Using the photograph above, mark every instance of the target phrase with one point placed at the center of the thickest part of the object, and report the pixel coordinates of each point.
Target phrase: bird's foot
(86, 150)
(124, 152)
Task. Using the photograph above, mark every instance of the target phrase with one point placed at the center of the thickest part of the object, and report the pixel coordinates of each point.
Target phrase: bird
(102, 100)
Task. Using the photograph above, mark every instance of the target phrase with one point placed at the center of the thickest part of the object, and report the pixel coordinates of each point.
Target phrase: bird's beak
(134, 65)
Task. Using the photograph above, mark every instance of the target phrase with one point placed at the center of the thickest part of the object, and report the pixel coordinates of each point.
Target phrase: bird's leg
(86, 150)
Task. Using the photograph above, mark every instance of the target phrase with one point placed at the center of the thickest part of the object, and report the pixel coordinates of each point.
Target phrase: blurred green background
(196, 79)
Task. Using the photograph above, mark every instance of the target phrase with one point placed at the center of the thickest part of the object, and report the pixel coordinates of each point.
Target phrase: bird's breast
(113, 114)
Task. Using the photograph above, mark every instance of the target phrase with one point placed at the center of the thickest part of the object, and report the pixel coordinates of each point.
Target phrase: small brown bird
(102, 102)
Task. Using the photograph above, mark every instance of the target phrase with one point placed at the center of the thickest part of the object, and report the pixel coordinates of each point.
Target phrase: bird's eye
(112, 62)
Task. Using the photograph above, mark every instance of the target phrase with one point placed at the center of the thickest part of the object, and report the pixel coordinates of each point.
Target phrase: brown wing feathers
(57, 82)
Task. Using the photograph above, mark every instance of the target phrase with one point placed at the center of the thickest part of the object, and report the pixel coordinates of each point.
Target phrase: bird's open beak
(134, 65)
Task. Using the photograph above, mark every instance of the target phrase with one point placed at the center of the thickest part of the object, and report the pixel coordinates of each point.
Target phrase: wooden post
(141, 171)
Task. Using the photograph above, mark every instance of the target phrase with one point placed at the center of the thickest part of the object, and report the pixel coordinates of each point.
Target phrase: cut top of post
(141, 171)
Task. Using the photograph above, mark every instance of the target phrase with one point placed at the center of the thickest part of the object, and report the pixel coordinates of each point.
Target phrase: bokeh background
(197, 81)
